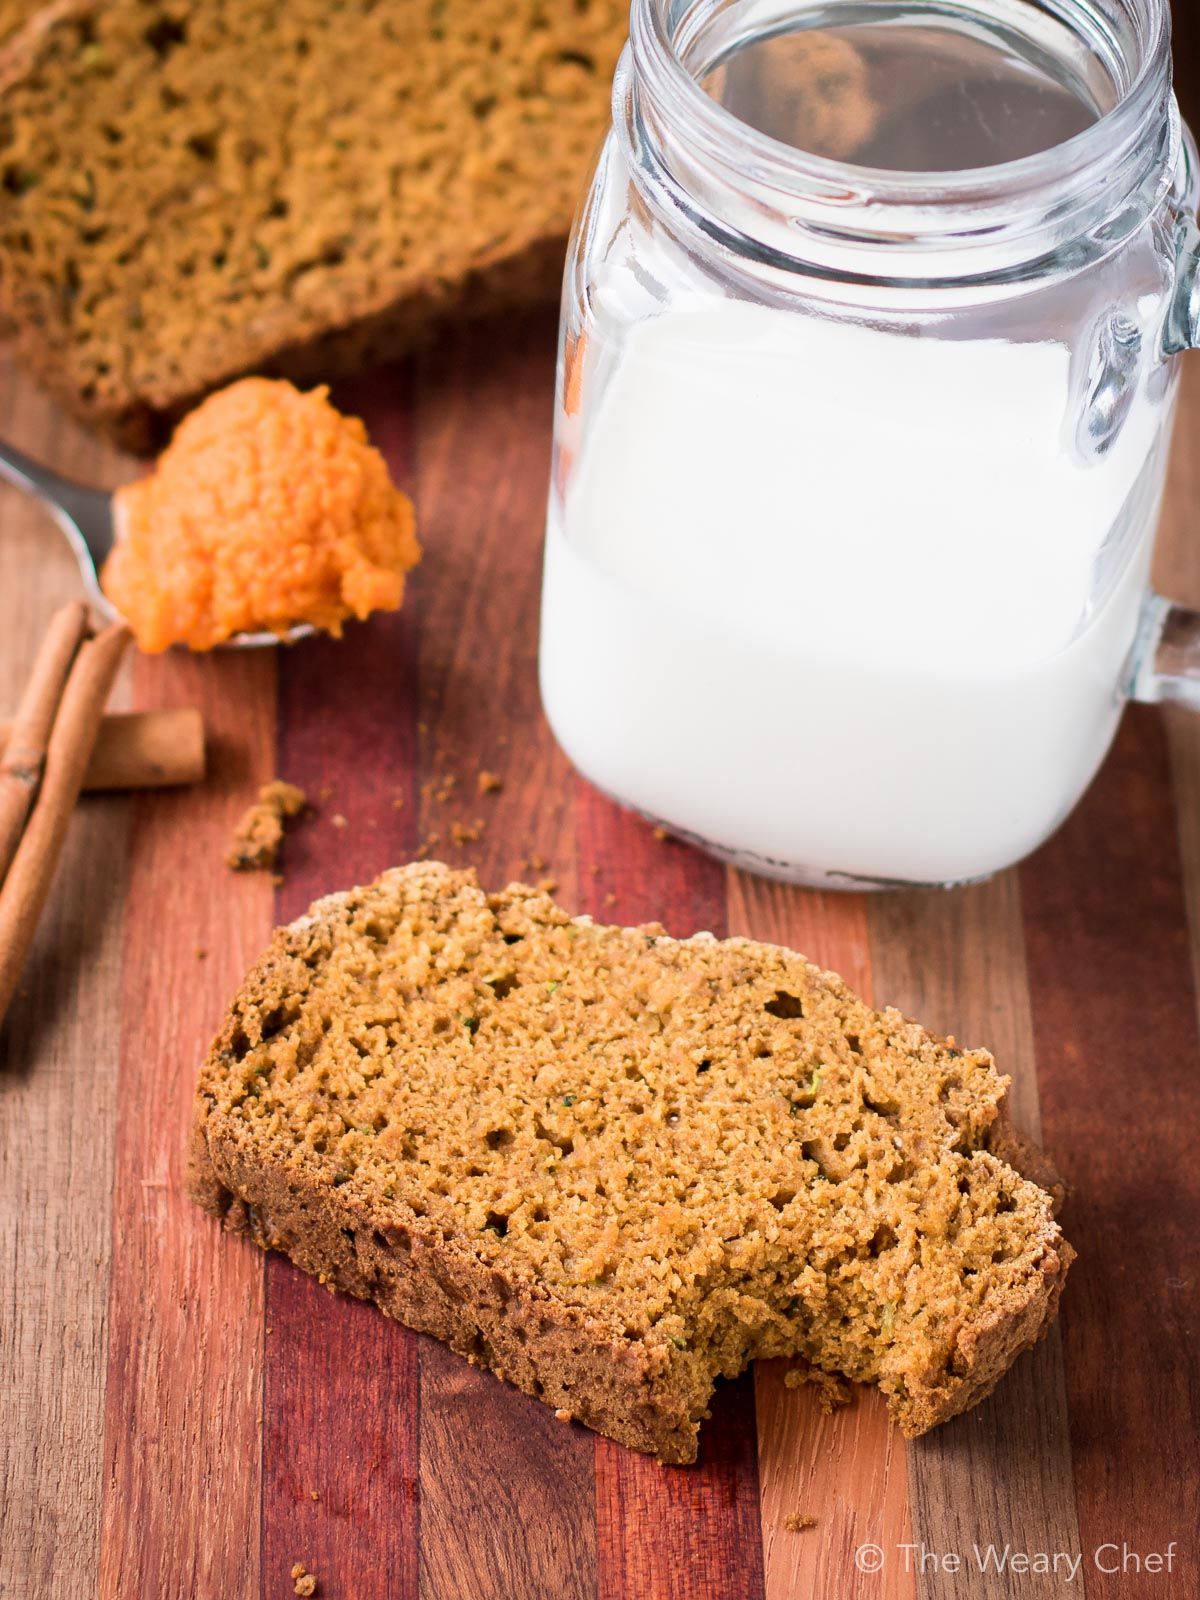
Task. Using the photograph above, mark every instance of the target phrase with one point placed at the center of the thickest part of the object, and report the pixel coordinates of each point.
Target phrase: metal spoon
(86, 517)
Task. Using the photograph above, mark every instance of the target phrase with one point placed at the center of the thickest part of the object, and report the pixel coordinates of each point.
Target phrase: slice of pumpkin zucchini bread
(614, 1166)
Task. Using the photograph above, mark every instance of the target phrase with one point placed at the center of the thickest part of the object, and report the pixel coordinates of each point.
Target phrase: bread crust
(381, 299)
(524, 278)
(576, 1363)
(987, 1345)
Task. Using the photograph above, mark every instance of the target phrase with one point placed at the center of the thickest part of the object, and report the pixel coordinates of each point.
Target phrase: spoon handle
(23, 472)
(85, 515)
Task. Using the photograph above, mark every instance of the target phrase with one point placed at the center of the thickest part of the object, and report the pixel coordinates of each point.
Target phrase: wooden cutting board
(185, 1417)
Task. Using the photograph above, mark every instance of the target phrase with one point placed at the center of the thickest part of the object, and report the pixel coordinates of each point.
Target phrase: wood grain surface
(847, 1470)
(183, 1400)
(181, 1416)
(59, 1058)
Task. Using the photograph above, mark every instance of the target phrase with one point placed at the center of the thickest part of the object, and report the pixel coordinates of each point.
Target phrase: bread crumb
(440, 789)
(307, 1584)
(563, 1414)
(548, 885)
(594, 869)
(299, 1570)
(536, 864)
(338, 820)
(660, 834)
(610, 900)
(489, 782)
(287, 797)
(461, 834)
(259, 833)
(833, 1391)
(796, 1522)
(398, 802)
(313, 1495)
(201, 953)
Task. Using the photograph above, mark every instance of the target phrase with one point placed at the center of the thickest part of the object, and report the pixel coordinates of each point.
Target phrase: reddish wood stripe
(1114, 1016)
(506, 1489)
(341, 1400)
(628, 875)
(340, 1485)
(675, 1533)
(182, 1451)
(342, 1381)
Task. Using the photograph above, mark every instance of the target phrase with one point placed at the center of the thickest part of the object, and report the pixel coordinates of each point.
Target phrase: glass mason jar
(858, 466)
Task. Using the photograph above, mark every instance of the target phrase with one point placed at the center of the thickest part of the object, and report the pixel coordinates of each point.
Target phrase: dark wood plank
(847, 1471)
(957, 961)
(671, 1532)
(506, 1514)
(1177, 574)
(506, 1490)
(185, 1327)
(59, 1053)
(341, 1401)
(1187, 58)
(1114, 1019)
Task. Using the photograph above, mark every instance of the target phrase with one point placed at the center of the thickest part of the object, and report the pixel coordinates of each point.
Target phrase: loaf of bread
(613, 1166)
(13, 15)
(194, 189)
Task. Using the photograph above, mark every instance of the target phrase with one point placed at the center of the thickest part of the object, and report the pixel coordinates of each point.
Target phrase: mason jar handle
(1166, 658)
(1182, 329)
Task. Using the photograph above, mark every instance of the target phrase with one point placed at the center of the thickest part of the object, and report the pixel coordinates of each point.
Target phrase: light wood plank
(846, 1470)
(1002, 1474)
(58, 1072)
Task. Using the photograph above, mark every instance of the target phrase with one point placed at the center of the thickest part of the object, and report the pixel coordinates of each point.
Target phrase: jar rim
(820, 212)
(654, 47)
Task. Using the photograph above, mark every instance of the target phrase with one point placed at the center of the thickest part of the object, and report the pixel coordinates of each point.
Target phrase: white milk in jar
(852, 598)
(798, 650)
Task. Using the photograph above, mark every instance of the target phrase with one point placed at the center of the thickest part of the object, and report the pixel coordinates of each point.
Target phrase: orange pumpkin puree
(268, 509)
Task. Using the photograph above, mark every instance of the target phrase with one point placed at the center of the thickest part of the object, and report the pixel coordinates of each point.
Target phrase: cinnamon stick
(142, 750)
(28, 879)
(25, 752)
